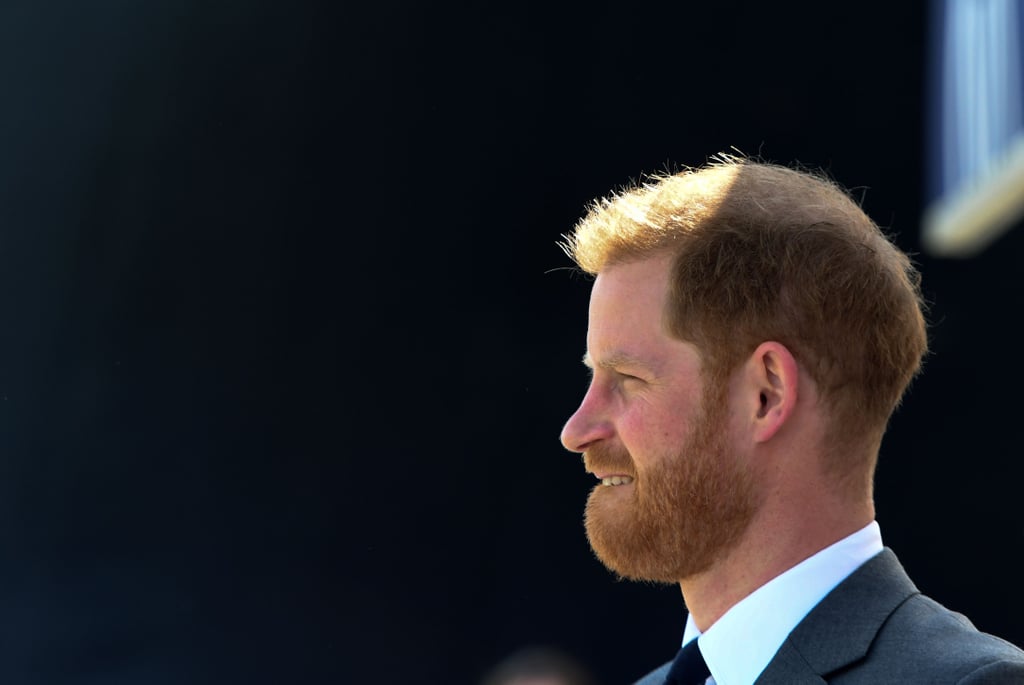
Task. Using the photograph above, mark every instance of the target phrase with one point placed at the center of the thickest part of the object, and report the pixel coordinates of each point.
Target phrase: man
(751, 331)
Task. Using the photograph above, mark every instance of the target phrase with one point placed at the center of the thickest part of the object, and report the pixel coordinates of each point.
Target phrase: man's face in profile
(672, 495)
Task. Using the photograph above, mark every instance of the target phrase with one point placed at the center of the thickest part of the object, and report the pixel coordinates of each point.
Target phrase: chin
(658, 539)
(620, 538)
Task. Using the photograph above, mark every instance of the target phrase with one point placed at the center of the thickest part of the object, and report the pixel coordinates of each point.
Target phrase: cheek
(650, 431)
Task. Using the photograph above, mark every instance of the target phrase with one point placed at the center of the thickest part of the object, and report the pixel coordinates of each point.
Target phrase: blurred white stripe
(981, 104)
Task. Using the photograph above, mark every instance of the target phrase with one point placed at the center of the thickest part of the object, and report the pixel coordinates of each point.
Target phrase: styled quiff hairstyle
(763, 252)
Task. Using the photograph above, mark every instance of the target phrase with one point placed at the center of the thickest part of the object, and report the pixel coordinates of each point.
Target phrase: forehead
(626, 310)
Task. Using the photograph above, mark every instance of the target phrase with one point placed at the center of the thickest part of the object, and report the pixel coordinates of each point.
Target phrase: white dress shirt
(741, 643)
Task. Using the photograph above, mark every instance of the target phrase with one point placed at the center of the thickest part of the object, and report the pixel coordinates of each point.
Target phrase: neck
(772, 545)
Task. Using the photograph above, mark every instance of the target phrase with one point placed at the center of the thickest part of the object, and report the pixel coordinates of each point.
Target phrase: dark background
(286, 342)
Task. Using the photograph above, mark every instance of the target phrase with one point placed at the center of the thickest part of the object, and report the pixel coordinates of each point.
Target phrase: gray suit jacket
(876, 627)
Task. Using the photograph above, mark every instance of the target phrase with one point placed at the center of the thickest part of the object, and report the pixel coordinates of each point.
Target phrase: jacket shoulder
(877, 627)
(924, 641)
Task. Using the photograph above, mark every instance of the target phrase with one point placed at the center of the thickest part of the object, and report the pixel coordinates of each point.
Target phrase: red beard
(682, 511)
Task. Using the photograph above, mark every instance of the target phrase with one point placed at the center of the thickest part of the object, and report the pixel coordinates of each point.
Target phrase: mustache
(607, 459)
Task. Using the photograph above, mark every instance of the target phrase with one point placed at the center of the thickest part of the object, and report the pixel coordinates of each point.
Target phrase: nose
(588, 425)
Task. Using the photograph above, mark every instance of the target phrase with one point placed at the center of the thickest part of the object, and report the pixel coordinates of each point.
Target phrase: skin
(644, 405)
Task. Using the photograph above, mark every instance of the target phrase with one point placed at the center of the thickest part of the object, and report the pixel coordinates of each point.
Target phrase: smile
(616, 480)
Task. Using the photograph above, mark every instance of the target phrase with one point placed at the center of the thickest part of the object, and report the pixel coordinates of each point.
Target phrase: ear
(771, 386)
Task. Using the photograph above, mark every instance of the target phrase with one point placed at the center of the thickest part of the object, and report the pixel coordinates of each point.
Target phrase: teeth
(617, 480)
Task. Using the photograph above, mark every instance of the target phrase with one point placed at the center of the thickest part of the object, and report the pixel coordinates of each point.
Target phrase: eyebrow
(615, 360)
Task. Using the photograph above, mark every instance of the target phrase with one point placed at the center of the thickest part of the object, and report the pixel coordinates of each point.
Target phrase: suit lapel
(840, 629)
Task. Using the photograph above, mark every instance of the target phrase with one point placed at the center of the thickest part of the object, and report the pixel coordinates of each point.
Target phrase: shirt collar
(745, 639)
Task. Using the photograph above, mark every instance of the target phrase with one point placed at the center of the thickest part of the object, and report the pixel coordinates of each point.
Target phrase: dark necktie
(689, 667)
